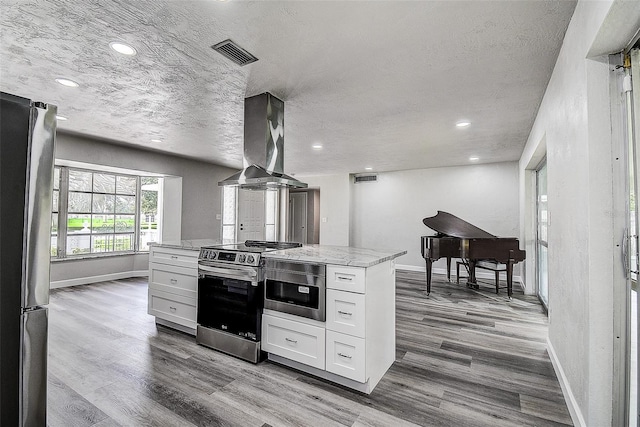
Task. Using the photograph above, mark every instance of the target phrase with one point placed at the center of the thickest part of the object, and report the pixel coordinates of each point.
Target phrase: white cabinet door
(346, 356)
(346, 312)
(350, 279)
(177, 257)
(294, 340)
(172, 279)
(172, 307)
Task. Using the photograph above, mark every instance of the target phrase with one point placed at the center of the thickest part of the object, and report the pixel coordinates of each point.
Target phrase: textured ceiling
(378, 83)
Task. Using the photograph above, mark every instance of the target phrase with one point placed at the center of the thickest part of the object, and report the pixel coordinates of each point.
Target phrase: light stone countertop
(194, 245)
(337, 255)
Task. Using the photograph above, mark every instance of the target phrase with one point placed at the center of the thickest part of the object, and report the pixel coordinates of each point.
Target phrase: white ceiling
(379, 83)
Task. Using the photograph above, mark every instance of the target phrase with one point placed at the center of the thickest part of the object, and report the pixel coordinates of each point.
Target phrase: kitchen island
(355, 345)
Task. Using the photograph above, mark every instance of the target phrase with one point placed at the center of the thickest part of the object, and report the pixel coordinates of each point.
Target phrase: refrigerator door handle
(38, 200)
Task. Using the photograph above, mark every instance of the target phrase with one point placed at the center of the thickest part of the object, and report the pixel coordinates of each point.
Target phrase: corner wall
(574, 122)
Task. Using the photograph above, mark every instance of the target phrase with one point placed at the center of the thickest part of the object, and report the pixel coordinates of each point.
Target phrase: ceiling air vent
(234, 52)
(365, 178)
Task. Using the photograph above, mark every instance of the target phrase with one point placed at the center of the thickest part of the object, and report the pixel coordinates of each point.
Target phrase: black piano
(457, 238)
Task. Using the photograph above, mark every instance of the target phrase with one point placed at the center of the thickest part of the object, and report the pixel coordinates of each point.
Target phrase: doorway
(304, 216)
(542, 247)
(298, 217)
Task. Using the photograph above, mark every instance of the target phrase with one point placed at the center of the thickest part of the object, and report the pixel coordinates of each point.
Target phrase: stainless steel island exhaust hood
(263, 146)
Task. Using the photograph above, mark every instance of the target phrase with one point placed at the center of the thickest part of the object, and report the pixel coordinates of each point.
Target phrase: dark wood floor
(464, 358)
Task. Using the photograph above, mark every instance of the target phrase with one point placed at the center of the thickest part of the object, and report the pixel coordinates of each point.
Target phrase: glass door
(633, 124)
(542, 222)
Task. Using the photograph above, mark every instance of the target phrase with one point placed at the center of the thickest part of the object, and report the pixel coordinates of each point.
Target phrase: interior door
(298, 217)
(251, 215)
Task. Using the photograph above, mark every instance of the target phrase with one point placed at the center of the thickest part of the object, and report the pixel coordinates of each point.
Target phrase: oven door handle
(229, 273)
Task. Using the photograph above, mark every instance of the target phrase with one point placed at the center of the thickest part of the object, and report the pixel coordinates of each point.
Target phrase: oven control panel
(228, 257)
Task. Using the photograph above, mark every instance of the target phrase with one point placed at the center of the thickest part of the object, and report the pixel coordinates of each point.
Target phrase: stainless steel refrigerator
(27, 138)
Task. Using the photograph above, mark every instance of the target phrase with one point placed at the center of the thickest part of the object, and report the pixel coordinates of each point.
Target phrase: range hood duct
(263, 146)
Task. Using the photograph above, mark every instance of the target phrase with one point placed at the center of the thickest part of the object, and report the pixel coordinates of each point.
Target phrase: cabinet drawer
(179, 257)
(175, 308)
(343, 278)
(180, 280)
(345, 312)
(295, 341)
(346, 356)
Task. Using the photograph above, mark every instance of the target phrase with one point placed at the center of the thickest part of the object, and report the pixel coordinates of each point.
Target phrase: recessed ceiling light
(368, 168)
(317, 146)
(61, 118)
(67, 82)
(463, 124)
(156, 140)
(474, 158)
(122, 48)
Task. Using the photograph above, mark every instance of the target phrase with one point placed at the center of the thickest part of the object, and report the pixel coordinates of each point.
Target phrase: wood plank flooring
(464, 358)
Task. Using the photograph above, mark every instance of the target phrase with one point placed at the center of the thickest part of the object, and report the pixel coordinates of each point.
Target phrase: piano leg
(471, 279)
(509, 278)
(429, 263)
(449, 269)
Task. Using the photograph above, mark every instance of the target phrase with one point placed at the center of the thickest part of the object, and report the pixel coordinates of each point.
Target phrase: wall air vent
(370, 177)
(234, 52)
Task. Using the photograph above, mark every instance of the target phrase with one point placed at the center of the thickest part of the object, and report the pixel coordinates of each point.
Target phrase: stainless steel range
(230, 296)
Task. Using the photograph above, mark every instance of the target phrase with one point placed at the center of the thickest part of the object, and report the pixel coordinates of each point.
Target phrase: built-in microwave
(295, 288)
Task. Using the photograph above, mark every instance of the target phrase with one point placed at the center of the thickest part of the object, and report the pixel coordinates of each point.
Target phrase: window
(102, 212)
(55, 208)
(271, 214)
(229, 197)
(149, 232)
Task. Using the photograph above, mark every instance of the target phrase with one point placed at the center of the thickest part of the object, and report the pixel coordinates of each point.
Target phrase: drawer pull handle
(345, 278)
(346, 356)
(174, 281)
(291, 341)
(172, 308)
(174, 257)
(344, 313)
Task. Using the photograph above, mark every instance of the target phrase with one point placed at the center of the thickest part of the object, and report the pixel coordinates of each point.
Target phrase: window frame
(63, 214)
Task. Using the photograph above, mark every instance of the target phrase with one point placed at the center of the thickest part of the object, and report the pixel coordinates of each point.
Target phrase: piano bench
(485, 265)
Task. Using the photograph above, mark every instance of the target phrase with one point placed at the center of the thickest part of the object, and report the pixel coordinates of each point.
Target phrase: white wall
(335, 207)
(574, 123)
(201, 199)
(388, 213)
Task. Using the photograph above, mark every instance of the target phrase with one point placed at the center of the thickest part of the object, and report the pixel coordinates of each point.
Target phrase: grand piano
(457, 238)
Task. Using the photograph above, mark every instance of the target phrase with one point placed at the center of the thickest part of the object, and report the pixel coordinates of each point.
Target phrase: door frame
(545, 304)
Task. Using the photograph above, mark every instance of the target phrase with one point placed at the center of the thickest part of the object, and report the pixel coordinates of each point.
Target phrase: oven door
(230, 299)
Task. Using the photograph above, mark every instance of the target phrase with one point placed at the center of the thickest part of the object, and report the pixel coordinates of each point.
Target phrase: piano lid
(451, 225)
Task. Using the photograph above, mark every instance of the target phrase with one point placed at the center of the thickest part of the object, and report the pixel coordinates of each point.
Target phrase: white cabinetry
(173, 287)
(294, 340)
(358, 337)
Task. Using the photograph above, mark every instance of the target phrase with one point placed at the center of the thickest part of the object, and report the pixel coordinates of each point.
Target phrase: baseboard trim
(572, 404)
(95, 279)
(463, 272)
